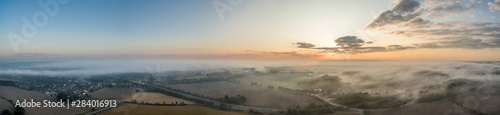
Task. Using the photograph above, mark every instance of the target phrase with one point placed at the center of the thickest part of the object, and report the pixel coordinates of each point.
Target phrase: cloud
(419, 23)
(349, 42)
(390, 18)
(294, 53)
(476, 1)
(405, 6)
(404, 11)
(304, 45)
(453, 8)
(494, 5)
(347, 45)
(465, 43)
(479, 30)
(409, 13)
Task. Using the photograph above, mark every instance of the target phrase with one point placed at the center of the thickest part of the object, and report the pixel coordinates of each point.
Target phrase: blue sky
(268, 28)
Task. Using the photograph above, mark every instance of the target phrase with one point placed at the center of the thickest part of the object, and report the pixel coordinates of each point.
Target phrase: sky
(453, 30)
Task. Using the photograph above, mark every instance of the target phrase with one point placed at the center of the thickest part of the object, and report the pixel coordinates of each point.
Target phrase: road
(360, 111)
(233, 106)
(268, 110)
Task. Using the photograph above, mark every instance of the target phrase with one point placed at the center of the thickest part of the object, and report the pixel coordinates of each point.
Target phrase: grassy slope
(156, 97)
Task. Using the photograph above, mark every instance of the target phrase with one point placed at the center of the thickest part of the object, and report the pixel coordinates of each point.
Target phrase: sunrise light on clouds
(319, 30)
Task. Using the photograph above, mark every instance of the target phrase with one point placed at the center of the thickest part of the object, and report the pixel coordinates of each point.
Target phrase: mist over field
(395, 76)
(353, 83)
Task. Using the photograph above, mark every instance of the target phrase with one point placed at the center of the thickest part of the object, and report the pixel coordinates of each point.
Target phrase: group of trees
(199, 78)
(233, 100)
(210, 104)
(18, 111)
(7, 83)
(66, 96)
(326, 82)
(314, 109)
(166, 92)
(158, 103)
(354, 98)
(6, 112)
(384, 103)
(270, 87)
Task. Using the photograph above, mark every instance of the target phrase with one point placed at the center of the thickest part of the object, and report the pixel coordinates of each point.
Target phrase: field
(13, 93)
(488, 105)
(258, 97)
(288, 80)
(4, 104)
(113, 93)
(134, 109)
(155, 97)
(442, 107)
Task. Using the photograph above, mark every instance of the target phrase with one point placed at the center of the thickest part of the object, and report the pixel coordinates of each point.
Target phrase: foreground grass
(134, 109)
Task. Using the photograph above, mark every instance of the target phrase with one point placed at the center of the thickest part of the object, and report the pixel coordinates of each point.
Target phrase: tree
(270, 87)
(274, 71)
(6, 112)
(19, 111)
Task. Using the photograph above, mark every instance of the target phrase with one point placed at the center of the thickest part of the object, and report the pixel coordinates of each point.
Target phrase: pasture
(155, 98)
(258, 97)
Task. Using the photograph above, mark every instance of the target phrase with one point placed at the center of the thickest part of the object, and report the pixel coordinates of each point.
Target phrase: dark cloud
(349, 42)
(352, 45)
(404, 11)
(304, 45)
(408, 13)
(391, 18)
(406, 6)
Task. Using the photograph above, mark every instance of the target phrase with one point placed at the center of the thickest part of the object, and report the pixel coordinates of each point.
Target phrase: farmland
(4, 104)
(155, 98)
(12, 93)
(432, 108)
(113, 93)
(259, 97)
(134, 109)
(288, 80)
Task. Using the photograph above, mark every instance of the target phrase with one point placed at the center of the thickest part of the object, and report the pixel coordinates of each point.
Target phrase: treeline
(306, 91)
(325, 82)
(158, 103)
(210, 104)
(384, 103)
(67, 96)
(17, 111)
(166, 92)
(7, 83)
(209, 77)
(354, 98)
(233, 100)
(313, 109)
